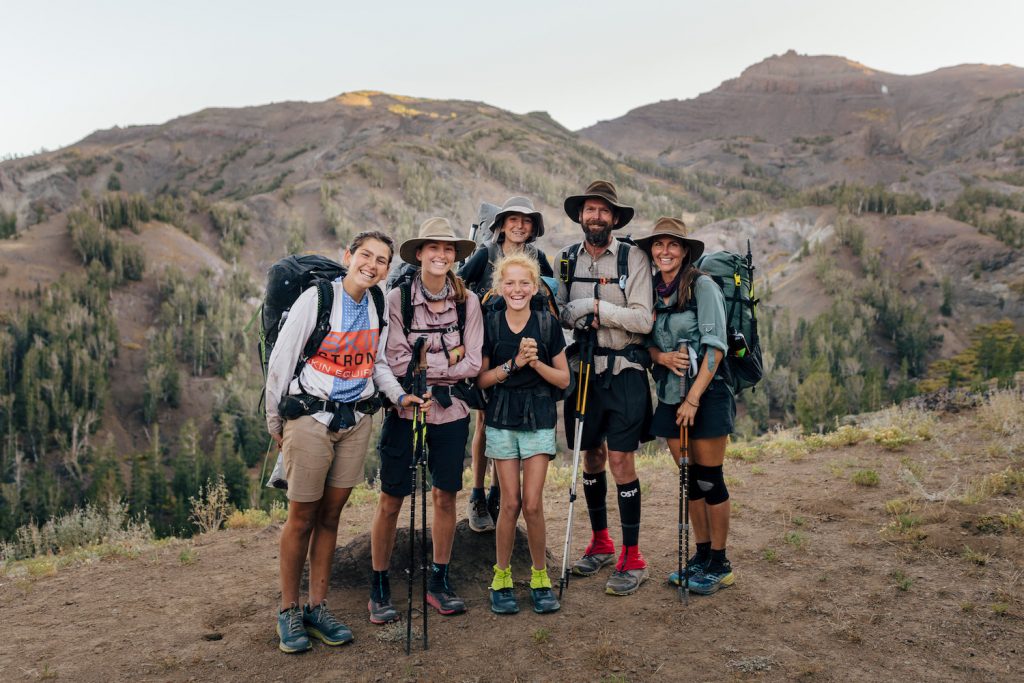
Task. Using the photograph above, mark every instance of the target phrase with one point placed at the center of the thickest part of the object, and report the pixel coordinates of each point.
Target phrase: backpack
(567, 266)
(493, 308)
(735, 275)
(286, 280)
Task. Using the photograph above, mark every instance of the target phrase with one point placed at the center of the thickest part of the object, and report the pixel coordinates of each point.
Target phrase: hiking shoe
(479, 518)
(712, 579)
(323, 626)
(382, 612)
(591, 563)
(695, 567)
(626, 582)
(504, 601)
(493, 507)
(446, 603)
(544, 600)
(291, 631)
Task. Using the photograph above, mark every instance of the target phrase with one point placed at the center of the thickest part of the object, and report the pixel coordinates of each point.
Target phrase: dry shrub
(80, 528)
(211, 506)
(1009, 481)
(1003, 413)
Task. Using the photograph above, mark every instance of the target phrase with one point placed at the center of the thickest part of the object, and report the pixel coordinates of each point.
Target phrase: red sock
(601, 544)
(630, 558)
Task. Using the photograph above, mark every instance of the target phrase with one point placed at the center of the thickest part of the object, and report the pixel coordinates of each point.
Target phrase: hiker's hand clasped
(278, 439)
(527, 352)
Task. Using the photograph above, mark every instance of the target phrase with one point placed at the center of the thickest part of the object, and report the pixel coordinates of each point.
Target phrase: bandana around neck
(665, 289)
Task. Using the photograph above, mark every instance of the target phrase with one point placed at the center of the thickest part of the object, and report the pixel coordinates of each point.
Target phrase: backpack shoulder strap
(377, 297)
(405, 290)
(324, 304)
(623, 264)
(567, 267)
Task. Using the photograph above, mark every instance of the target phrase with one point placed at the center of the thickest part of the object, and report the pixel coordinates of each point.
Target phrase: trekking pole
(586, 359)
(412, 526)
(684, 489)
(423, 519)
(417, 376)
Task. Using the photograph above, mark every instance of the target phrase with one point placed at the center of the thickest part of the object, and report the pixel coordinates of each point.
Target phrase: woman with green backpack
(688, 344)
(525, 368)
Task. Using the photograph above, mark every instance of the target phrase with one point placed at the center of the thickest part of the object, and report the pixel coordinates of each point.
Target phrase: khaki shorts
(315, 457)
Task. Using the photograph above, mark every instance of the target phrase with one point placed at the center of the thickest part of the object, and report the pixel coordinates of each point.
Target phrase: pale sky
(69, 67)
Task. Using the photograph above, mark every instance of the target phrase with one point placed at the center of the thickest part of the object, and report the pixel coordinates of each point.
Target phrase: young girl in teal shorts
(524, 367)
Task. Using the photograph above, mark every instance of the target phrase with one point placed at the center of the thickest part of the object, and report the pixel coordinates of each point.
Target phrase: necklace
(446, 291)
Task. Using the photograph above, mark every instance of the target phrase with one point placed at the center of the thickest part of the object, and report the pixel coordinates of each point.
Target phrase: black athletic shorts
(716, 415)
(446, 450)
(619, 414)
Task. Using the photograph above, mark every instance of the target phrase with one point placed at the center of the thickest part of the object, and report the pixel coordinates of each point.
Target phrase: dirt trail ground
(831, 585)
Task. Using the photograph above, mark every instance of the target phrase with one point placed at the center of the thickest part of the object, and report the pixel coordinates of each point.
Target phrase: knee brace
(711, 482)
(693, 491)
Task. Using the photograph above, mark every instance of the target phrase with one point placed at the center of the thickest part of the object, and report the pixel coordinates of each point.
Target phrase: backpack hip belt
(634, 353)
(292, 407)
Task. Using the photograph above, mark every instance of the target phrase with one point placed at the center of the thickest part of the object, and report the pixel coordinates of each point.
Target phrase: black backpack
(735, 275)
(286, 280)
(543, 303)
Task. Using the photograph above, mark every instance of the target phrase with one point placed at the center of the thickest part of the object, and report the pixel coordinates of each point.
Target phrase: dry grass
(1008, 482)
(252, 518)
(1003, 414)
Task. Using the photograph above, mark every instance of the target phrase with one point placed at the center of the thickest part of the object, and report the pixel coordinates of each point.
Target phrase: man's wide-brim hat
(520, 205)
(599, 189)
(435, 230)
(672, 227)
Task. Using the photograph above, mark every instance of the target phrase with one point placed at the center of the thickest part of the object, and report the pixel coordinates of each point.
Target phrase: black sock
(476, 493)
(380, 586)
(719, 560)
(629, 512)
(595, 490)
(438, 579)
(495, 491)
(703, 553)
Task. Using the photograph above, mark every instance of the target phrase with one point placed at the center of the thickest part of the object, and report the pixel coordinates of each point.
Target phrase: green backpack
(735, 275)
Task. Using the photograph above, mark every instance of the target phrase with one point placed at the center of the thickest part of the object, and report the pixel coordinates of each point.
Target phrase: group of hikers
(496, 327)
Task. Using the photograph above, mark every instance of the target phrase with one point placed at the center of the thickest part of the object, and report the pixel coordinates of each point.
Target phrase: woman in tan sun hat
(515, 229)
(448, 315)
(690, 323)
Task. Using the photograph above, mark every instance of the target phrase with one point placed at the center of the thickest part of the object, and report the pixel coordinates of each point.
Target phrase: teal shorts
(509, 444)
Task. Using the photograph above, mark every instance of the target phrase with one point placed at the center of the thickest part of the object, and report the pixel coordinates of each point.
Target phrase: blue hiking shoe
(544, 600)
(713, 578)
(694, 566)
(291, 631)
(504, 601)
(323, 626)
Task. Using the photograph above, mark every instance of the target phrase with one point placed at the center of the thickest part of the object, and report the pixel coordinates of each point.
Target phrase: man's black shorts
(446, 449)
(716, 415)
(620, 413)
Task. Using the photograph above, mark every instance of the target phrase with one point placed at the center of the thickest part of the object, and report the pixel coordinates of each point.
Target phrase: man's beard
(600, 238)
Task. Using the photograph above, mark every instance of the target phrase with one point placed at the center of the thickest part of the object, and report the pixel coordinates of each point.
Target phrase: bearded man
(606, 298)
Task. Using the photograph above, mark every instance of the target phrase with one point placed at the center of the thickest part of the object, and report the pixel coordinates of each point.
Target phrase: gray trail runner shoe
(544, 600)
(625, 582)
(382, 612)
(479, 518)
(503, 601)
(291, 631)
(588, 565)
(323, 626)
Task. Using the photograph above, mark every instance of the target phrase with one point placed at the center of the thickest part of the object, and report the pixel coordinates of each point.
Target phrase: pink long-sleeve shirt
(399, 347)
